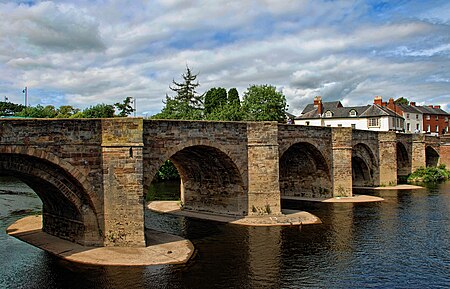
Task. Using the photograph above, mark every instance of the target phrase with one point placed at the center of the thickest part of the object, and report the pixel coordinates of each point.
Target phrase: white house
(334, 114)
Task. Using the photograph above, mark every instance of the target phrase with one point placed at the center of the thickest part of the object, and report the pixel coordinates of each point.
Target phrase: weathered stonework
(92, 174)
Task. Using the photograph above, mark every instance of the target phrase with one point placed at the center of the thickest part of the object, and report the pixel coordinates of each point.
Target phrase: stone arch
(431, 157)
(304, 172)
(210, 180)
(403, 161)
(363, 165)
(69, 211)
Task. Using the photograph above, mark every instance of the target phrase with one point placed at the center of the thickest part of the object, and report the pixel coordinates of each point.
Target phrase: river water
(403, 242)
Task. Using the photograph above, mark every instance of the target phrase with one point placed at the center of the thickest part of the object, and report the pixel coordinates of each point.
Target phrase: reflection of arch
(68, 210)
(431, 157)
(363, 165)
(304, 172)
(403, 160)
(210, 181)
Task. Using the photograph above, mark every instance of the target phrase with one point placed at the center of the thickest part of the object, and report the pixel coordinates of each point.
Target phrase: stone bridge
(92, 174)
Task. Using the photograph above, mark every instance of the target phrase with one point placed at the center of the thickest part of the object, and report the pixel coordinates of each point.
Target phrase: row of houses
(380, 116)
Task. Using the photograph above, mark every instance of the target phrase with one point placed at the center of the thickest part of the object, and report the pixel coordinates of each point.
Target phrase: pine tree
(186, 92)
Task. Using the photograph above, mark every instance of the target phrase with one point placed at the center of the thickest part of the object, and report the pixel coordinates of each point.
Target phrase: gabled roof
(377, 110)
(429, 110)
(409, 108)
(373, 110)
(326, 106)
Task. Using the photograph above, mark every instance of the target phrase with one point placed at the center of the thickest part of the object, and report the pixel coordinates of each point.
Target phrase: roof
(429, 110)
(326, 106)
(344, 112)
(409, 108)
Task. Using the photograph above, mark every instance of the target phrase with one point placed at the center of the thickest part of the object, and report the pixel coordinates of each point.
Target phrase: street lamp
(25, 91)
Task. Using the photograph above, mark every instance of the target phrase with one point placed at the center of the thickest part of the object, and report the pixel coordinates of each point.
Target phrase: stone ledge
(162, 248)
(287, 218)
(354, 199)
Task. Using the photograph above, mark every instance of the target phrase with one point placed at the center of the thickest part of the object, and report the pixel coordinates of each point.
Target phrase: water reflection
(400, 243)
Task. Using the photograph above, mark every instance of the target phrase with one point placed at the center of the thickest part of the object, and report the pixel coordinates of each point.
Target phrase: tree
(233, 97)
(66, 111)
(38, 111)
(185, 91)
(99, 111)
(401, 100)
(125, 107)
(215, 99)
(9, 108)
(186, 104)
(264, 103)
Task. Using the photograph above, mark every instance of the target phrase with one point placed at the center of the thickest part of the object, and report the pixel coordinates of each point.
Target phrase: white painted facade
(379, 123)
(413, 122)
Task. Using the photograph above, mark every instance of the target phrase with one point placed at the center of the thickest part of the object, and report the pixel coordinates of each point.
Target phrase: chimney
(437, 106)
(412, 103)
(391, 104)
(318, 104)
(430, 106)
(378, 100)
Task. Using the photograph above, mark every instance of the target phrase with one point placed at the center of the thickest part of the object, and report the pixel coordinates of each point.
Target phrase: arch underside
(403, 161)
(304, 172)
(431, 157)
(211, 182)
(66, 210)
(363, 165)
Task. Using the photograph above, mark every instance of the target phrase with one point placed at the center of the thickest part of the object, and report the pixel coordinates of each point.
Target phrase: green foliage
(215, 99)
(38, 111)
(167, 172)
(233, 97)
(99, 111)
(227, 113)
(185, 91)
(9, 108)
(66, 111)
(174, 109)
(264, 103)
(124, 107)
(401, 100)
(429, 175)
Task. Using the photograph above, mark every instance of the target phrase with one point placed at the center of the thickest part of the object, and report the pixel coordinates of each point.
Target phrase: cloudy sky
(87, 52)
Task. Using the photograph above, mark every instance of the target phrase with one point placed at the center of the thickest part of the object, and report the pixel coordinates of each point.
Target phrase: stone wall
(388, 158)
(342, 162)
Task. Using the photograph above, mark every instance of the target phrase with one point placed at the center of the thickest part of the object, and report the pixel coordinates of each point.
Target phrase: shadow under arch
(363, 164)
(304, 172)
(431, 157)
(210, 181)
(67, 210)
(403, 161)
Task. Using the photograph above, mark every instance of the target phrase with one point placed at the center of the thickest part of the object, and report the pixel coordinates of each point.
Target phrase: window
(427, 117)
(339, 124)
(353, 126)
(374, 122)
(328, 125)
(428, 128)
(307, 123)
(408, 127)
(407, 116)
(418, 127)
(437, 117)
(328, 114)
(446, 119)
(417, 116)
(352, 112)
(437, 129)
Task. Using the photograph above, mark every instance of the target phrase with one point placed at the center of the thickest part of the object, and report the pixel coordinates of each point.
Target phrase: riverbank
(162, 248)
(397, 187)
(354, 199)
(288, 217)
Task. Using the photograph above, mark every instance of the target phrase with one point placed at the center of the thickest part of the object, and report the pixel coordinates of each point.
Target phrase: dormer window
(352, 112)
(328, 114)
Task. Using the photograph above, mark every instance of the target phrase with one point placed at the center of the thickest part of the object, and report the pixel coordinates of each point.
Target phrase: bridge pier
(263, 168)
(123, 190)
(341, 171)
(387, 153)
(418, 157)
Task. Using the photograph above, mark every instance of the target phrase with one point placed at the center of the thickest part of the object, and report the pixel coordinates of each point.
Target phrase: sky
(87, 52)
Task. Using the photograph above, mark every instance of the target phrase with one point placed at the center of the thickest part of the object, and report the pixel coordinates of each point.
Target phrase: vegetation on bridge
(429, 175)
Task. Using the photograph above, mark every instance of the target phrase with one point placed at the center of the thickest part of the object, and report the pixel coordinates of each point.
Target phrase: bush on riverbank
(429, 175)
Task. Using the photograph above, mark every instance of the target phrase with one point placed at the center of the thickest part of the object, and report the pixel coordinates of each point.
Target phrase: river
(403, 242)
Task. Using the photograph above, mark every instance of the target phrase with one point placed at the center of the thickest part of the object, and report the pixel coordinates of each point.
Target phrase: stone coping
(397, 187)
(354, 199)
(287, 218)
(162, 248)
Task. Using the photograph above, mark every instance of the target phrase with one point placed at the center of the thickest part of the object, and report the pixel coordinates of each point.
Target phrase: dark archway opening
(209, 182)
(304, 172)
(66, 210)
(362, 166)
(431, 157)
(403, 163)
